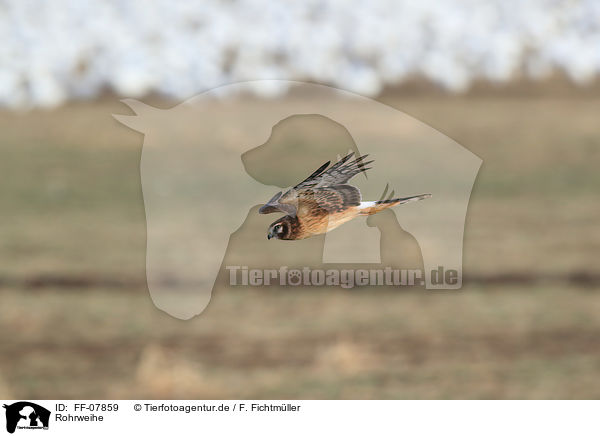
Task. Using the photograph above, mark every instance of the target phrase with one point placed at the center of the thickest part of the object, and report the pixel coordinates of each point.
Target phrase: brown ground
(77, 321)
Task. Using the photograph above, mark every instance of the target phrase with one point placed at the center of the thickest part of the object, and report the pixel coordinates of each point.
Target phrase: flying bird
(325, 200)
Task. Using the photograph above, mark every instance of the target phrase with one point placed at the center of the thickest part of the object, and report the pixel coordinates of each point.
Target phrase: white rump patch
(365, 204)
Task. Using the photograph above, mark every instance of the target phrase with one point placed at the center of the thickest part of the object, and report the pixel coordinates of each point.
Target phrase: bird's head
(280, 229)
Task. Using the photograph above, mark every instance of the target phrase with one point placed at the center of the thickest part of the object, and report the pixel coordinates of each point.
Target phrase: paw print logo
(294, 277)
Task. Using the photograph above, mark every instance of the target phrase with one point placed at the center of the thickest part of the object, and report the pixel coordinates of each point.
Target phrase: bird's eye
(278, 228)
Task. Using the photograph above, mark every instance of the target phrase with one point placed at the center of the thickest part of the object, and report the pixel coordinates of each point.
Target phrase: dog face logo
(26, 415)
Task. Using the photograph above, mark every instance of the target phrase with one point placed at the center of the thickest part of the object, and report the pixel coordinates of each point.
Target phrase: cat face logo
(26, 415)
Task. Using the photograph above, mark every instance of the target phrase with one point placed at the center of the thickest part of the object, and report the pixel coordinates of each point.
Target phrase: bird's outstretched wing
(338, 174)
(324, 191)
(273, 205)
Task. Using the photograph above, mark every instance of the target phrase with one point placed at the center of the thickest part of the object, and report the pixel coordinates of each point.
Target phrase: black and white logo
(26, 415)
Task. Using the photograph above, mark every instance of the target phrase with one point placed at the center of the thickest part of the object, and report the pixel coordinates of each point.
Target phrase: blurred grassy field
(77, 321)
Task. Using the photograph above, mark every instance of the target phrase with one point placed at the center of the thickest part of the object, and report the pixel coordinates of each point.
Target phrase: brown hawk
(324, 201)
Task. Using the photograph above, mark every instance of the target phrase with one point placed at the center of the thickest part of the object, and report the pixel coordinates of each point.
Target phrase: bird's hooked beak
(270, 234)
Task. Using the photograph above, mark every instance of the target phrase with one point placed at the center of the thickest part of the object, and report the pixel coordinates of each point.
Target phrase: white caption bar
(301, 417)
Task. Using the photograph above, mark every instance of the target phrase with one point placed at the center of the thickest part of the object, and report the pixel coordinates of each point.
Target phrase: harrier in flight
(324, 201)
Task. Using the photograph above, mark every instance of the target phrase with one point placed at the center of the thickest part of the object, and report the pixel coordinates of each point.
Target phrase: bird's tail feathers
(372, 207)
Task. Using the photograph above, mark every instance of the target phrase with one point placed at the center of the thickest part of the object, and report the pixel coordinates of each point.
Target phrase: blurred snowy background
(56, 51)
